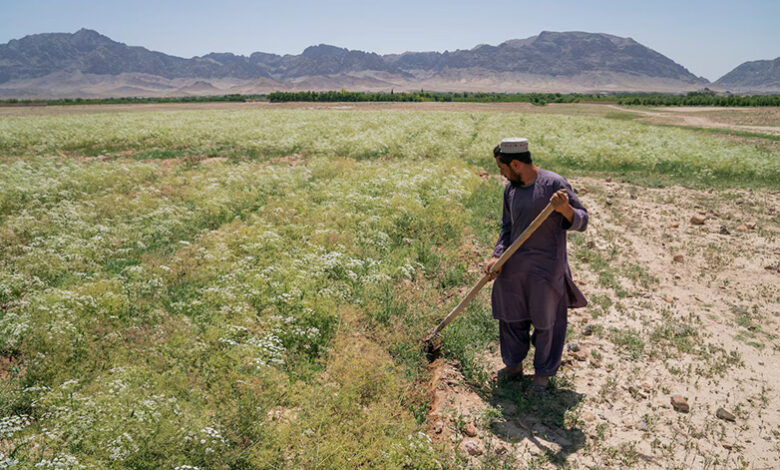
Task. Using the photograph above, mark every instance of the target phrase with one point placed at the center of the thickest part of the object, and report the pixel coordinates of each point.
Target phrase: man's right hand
(489, 268)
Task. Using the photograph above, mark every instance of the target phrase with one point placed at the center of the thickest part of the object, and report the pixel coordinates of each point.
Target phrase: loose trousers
(514, 340)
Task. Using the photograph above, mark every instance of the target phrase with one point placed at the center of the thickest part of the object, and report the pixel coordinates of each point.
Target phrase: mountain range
(89, 64)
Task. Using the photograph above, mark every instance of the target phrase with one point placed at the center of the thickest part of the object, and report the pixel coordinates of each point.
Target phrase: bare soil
(758, 120)
(680, 309)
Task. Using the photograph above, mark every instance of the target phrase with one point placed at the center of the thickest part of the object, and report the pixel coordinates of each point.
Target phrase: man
(534, 287)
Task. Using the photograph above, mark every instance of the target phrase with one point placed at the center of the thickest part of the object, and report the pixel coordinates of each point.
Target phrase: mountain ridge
(573, 61)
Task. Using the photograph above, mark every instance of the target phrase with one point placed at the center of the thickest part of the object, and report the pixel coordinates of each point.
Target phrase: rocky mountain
(550, 61)
(757, 75)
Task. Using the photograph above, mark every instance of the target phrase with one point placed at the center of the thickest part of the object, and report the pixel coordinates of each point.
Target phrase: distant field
(560, 141)
(239, 286)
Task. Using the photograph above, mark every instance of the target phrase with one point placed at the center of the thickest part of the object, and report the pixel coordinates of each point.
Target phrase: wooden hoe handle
(496, 267)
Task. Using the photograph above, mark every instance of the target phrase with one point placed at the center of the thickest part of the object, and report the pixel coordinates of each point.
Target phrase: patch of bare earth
(757, 120)
(684, 292)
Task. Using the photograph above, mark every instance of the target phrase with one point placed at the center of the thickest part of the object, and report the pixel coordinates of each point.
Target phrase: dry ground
(680, 309)
(755, 120)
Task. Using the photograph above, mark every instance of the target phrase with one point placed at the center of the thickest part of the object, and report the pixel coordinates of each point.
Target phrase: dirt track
(687, 117)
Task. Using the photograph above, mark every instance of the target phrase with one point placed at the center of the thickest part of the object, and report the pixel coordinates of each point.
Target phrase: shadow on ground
(538, 418)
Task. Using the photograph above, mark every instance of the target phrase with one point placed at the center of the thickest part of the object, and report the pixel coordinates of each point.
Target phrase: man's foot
(540, 381)
(538, 387)
(508, 373)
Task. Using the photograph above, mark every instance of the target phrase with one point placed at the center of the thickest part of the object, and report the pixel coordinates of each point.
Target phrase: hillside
(756, 75)
(94, 65)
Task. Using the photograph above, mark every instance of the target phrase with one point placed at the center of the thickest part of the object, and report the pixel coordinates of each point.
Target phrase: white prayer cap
(514, 145)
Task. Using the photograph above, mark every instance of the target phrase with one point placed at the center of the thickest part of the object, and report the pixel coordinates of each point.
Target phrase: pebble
(742, 228)
(472, 447)
(573, 347)
(580, 356)
(724, 230)
(723, 414)
(595, 362)
(674, 224)
(588, 416)
(470, 430)
(587, 331)
(698, 219)
(438, 427)
(678, 258)
(500, 449)
(680, 403)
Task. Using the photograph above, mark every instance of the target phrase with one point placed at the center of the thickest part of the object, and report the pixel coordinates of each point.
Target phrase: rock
(508, 407)
(500, 449)
(527, 422)
(723, 414)
(724, 230)
(669, 299)
(680, 403)
(632, 195)
(471, 447)
(609, 202)
(742, 228)
(674, 224)
(580, 356)
(438, 427)
(698, 219)
(573, 347)
(587, 331)
(470, 430)
(588, 416)
(678, 258)
(407, 241)
(595, 362)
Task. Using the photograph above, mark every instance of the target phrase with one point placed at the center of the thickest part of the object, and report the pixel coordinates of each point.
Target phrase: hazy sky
(708, 37)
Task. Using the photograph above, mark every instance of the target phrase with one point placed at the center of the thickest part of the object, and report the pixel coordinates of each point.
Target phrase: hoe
(432, 343)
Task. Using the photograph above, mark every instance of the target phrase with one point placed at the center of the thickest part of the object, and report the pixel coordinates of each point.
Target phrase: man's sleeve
(504, 238)
(580, 220)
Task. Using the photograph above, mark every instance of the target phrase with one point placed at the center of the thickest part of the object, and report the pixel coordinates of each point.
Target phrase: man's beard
(516, 179)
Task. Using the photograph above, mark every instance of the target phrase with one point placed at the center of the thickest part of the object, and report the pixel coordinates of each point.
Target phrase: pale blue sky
(708, 37)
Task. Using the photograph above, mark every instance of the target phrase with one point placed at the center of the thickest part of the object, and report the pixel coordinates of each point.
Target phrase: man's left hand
(560, 202)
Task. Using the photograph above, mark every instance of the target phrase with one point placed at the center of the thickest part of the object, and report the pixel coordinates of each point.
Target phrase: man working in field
(534, 287)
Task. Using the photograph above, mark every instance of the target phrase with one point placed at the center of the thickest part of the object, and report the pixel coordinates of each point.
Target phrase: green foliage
(253, 311)
(541, 99)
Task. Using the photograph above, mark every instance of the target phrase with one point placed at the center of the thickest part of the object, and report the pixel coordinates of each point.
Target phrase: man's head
(513, 159)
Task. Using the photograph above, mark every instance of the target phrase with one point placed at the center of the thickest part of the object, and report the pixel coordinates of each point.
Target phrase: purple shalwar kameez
(535, 285)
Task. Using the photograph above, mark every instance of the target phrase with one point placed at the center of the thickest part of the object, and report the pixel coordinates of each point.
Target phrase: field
(223, 285)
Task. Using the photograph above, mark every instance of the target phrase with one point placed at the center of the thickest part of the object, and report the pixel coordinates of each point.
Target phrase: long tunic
(534, 279)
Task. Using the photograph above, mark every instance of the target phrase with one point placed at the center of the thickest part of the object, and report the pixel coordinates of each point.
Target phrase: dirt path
(676, 116)
(676, 308)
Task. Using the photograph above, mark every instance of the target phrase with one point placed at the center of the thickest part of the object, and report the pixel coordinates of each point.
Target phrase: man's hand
(560, 202)
(489, 268)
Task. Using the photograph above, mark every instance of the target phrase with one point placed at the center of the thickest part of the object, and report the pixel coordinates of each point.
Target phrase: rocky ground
(672, 364)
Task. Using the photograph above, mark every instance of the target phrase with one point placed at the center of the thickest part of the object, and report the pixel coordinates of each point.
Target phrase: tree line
(705, 98)
(696, 98)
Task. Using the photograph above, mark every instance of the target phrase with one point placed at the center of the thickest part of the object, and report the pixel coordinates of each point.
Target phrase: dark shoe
(504, 376)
